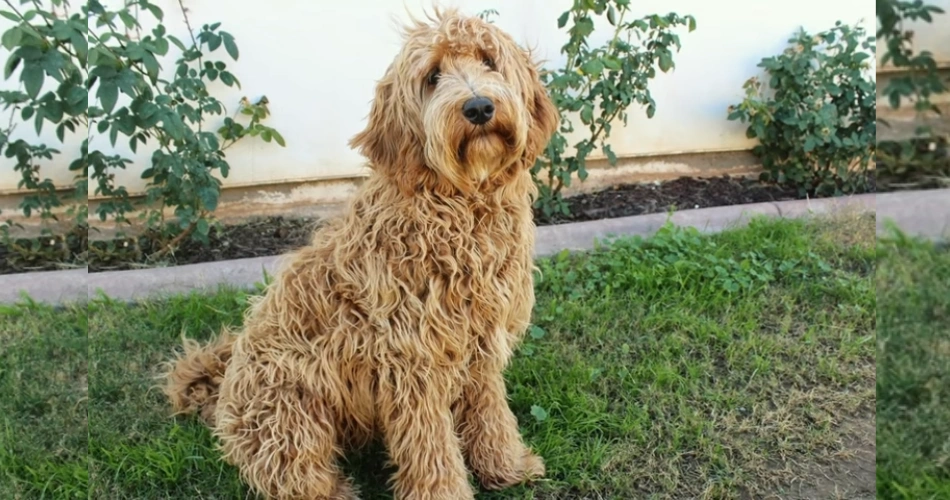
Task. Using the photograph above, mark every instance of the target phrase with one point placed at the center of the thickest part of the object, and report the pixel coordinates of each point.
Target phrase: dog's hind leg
(281, 437)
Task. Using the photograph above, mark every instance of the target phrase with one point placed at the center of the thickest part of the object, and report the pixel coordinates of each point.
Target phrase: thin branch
(194, 42)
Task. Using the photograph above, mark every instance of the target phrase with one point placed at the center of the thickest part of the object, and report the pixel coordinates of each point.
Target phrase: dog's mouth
(486, 146)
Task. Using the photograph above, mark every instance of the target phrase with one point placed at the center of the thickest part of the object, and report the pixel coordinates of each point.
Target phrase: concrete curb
(917, 213)
(77, 285)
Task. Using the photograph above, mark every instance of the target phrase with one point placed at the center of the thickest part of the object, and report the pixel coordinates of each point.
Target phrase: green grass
(43, 402)
(913, 377)
(682, 366)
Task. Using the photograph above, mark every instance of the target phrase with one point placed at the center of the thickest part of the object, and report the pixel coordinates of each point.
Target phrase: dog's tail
(192, 379)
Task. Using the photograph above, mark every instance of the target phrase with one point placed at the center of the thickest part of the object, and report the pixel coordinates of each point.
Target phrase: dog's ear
(378, 141)
(544, 120)
(387, 140)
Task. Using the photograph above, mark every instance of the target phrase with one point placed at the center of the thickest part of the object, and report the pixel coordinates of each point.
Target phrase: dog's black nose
(478, 110)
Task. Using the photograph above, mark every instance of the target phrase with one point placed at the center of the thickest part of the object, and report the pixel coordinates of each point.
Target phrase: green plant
(48, 46)
(170, 112)
(599, 84)
(920, 161)
(109, 80)
(817, 127)
(920, 80)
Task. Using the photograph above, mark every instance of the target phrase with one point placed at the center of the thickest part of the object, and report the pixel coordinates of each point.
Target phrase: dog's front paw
(527, 468)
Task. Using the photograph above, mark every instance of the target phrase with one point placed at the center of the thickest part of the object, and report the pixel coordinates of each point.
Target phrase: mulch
(276, 235)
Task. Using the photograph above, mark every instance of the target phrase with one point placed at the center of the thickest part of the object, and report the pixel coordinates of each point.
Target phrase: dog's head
(460, 108)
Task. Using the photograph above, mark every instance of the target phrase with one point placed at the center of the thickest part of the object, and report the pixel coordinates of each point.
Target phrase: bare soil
(851, 476)
(276, 235)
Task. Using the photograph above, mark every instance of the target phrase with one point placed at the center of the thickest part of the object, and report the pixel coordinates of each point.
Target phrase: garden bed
(276, 235)
(913, 165)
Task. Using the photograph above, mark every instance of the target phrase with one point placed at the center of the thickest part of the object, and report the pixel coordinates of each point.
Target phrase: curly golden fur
(399, 317)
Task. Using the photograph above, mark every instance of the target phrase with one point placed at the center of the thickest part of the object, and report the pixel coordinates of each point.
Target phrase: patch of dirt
(852, 475)
(914, 164)
(46, 253)
(684, 193)
(255, 238)
(276, 235)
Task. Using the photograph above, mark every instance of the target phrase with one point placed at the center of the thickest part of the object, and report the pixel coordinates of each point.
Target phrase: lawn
(682, 366)
(913, 376)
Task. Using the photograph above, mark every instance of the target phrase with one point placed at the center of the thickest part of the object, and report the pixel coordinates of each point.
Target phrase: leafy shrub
(817, 127)
(45, 46)
(921, 80)
(921, 161)
(109, 82)
(599, 84)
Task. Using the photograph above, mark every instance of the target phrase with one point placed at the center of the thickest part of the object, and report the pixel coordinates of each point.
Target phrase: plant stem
(194, 41)
(175, 241)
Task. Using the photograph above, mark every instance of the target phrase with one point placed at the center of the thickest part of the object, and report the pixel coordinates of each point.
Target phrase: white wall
(318, 62)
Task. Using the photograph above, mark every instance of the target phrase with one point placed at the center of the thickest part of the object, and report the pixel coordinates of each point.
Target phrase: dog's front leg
(489, 431)
(419, 431)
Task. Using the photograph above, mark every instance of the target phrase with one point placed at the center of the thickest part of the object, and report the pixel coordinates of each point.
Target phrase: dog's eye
(489, 62)
(434, 77)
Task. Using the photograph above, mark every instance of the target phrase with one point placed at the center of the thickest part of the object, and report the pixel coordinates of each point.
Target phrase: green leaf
(536, 332)
(539, 414)
(230, 46)
(692, 23)
(127, 19)
(587, 113)
(562, 21)
(32, 77)
(177, 43)
(155, 10)
(12, 63)
(583, 27)
(108, 94)
(209, 198)
(11, 16)
(214, 41)
(62, 30)
(81, 44)
(651, 110)
(611, 63)
(38, 121)
(203, 227)
(666, 61)
(593, 67)
(279, 138)
(611, 156)
(151, 67)
(809, 144)
(11, 37)
(612, 16)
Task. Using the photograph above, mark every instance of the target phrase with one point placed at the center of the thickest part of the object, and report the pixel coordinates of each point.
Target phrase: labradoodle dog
(398, 319)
